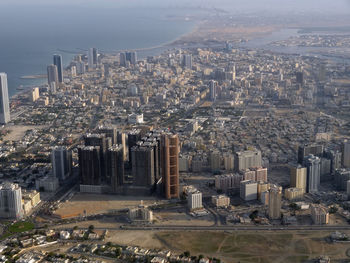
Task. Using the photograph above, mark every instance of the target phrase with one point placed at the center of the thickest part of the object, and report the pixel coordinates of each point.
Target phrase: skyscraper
(121, 139)
(305, 150)
(109, 132)
(52, 75)
(341, 178)
(61, 160)
(346, 154)
(4, 100)
(143, 166)
(298, 175)
(92, 57)
(11, 201)
(213, 90)
(169, 160)
(90, 165)
(133, 137)
(122, 59)
(104, 143)
(313, 165)
(57, 61)
(275, 202)
(115, 166)
(336, 159)
(187, 61)
(131, 57)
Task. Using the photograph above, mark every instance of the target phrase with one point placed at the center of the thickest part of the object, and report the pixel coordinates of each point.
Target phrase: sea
(30, 35)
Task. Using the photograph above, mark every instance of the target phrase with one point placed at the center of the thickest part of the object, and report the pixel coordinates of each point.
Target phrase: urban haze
(174, 131)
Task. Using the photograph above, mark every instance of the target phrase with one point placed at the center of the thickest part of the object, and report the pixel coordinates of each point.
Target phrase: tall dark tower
(89, 163)
(115, 166)
(133, 137)
(109, 132)
(104, 143)
(57, 61)
(143, 166)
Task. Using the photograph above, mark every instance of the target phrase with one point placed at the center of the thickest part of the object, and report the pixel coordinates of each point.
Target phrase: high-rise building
(134, 136)
(247, 159)
(121, 139)
(122, 59)
(313, 165)
(215, 161)
(109, 132)
(260, 174)
(11, 201)
(143, 166)
(336, 159)
(90, 165)
(104, 143)
(229, 162)
(57, 61)
(226, 182)
(346, 154)
(341, 177)
(220, 200)
(115, 166)
(306, 150)
(61, 160)
(4, 100)
(187, 61)
(131, 57)
(152, 142)
(319, 214)
(169, 161)
(194, 200)
(275, 202)
(92, 57)
(52, 75)
(293, 194)
(300, 78)
(35, 95)
(248, 190)
(213, 85)
(298, 176)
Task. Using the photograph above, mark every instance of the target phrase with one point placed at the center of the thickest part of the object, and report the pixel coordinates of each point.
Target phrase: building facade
(4, 100)
(11, 201)
(169, 153)
(275, 202)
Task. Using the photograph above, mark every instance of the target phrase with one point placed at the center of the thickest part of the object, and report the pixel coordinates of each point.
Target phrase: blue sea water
(30, 35)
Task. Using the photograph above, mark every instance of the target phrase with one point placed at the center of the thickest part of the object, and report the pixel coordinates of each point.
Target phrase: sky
(334, 6)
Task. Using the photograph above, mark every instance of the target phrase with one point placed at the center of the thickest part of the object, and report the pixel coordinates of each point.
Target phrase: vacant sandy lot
(145, 239)
(182, 218)
(97, 204)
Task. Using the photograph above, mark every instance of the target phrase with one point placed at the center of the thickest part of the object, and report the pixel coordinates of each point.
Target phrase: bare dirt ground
(182, 218)
(97, 204)
(145, 239)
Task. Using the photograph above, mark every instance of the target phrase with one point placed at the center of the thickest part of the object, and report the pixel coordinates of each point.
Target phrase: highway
(224, 228)
(235, 228)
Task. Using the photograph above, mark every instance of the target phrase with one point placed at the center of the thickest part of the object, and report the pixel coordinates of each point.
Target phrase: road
(234, 228)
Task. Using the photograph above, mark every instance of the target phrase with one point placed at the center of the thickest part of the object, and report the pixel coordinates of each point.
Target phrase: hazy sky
(334, 6)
